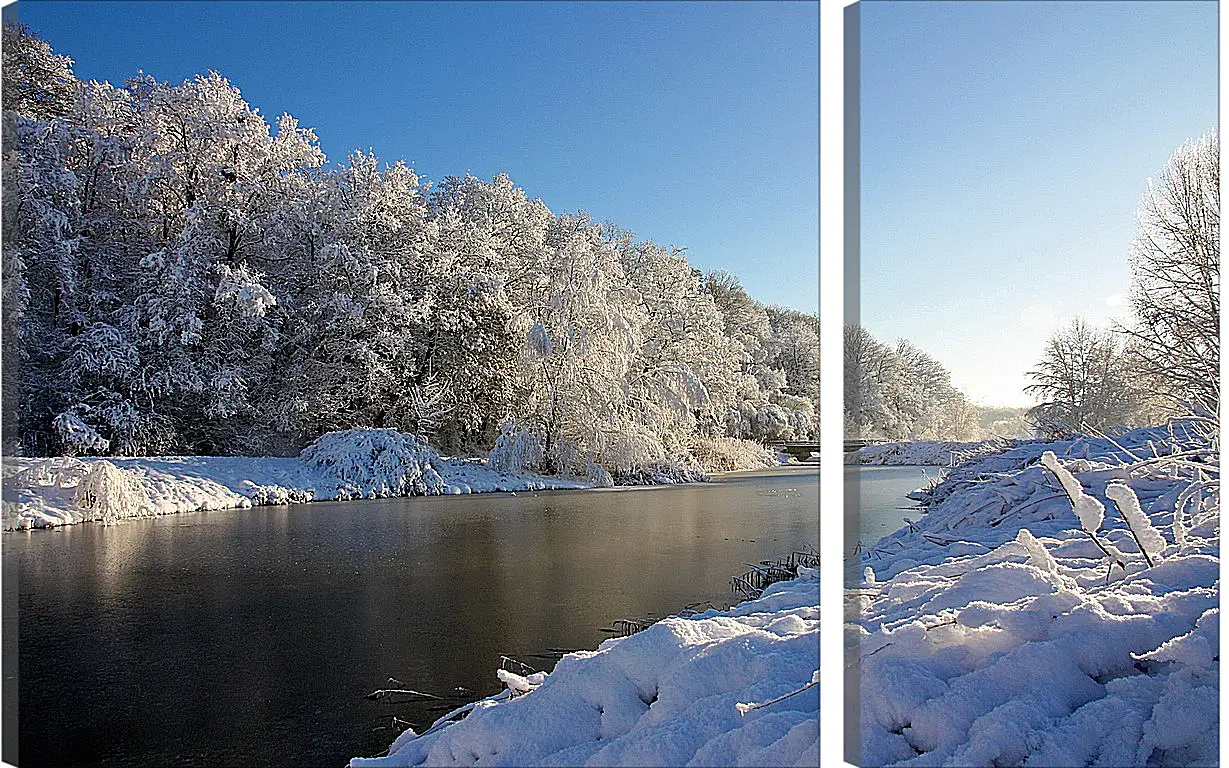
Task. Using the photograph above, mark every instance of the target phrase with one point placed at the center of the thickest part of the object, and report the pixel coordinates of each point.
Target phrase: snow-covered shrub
(79, 437)
(374, 463)
(110, 492)
(660, 473)
(58, 472)
(727, 454)
(270, 495)
(517, 449)
(597, 475)
(630, 448)
(565, 457)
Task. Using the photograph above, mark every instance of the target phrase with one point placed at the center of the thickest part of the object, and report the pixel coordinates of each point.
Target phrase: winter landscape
(1047, 592)
(319, 458)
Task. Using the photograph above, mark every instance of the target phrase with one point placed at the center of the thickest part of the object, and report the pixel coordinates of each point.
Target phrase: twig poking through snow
(1090, 511)
(1037, 554)
(743, 707)
(1149, 541)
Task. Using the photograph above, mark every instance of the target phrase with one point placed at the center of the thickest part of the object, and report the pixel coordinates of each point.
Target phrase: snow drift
(1057, 605)
(938, 453)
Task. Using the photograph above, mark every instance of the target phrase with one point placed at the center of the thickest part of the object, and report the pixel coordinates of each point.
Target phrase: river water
(876, 502)
(250, 637)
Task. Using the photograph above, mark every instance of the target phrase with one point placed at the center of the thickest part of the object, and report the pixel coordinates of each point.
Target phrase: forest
(183, 275)
(900, 393)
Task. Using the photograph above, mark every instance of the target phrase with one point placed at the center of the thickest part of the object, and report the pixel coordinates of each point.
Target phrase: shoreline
(40, 492)
(636, 696)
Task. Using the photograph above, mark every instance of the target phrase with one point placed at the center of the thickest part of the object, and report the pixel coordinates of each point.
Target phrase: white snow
(1149, 540)
(1089, 510)
(677, 693)
(938, 453)
(993, 632)
(342, 465)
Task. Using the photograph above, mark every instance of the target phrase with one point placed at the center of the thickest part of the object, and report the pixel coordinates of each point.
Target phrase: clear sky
(1005, 148)
(695, 124)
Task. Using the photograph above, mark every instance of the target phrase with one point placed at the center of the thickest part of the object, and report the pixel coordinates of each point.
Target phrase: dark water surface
(250, 637)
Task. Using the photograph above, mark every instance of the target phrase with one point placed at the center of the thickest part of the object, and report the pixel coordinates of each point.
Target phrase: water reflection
(242, 637)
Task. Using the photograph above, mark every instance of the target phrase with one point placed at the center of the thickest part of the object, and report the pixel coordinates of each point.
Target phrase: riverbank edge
(40, 492)
(533, 720)
(928, 453)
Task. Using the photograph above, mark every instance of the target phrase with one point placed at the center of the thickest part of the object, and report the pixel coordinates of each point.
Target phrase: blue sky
(689, 123)
(1005, 148)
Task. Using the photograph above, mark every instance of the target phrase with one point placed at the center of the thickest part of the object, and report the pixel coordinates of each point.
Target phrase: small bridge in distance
(853, 445)
(800, 451)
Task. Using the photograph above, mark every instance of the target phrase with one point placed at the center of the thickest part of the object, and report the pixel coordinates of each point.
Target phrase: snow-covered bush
(517, 449)
(661, 473)
(79, 437)
(58, 472)
(597, 475)
(375, 463)
(272, 495)
(110, 492)
(727, 454)
(631, 447)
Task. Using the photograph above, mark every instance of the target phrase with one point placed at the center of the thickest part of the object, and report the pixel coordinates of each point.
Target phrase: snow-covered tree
(901, 393)
(182, 275)
(1083, 382)
(38, 83)
(1175, 263)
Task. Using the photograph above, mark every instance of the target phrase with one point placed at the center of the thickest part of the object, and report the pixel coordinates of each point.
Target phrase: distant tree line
(180, 276)
(901, 393)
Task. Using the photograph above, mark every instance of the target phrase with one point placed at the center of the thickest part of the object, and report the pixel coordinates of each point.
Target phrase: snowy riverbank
(996, 630)
(339, 465)
(373, 463)
(42, 492)
(669, 695)
(931, 453)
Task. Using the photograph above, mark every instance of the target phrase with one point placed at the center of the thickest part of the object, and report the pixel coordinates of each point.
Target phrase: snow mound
(1082, 629)
(376, 463)
(669, 695)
